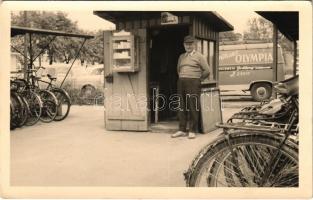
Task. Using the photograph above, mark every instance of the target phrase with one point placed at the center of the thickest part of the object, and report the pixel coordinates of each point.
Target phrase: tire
(12, 126)
(49, 106)
(261, 91)
(215, 166)
(35, 107)
(25, 112)
(64, 103)
(16, 106)
(87, 94)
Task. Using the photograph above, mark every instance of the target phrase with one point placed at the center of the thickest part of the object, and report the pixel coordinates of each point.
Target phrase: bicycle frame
(286, 131)
(49, 84)
(255, 149)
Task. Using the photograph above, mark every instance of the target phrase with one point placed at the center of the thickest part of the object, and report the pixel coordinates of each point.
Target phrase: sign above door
(168, 18)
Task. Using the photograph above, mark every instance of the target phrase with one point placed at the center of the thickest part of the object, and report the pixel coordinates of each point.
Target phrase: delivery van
(249, 68)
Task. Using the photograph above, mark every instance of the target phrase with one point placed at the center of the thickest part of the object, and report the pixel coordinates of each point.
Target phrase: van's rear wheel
(261, 91)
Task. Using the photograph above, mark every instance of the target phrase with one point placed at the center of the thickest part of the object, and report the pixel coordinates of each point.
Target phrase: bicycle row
(29, 103)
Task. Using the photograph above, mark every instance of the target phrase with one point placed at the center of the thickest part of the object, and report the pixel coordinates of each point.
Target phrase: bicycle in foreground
(257, 148)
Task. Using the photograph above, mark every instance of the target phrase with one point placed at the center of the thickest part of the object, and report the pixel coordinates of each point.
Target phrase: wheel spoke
(246, 164)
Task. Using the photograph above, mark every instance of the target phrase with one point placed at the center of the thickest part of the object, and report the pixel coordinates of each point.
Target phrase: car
(92, 77)
(59, 72)
(90, 82)
(86, 82)
(78, 77)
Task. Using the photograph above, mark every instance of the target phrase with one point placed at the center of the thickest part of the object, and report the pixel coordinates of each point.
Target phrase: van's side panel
(239, 65)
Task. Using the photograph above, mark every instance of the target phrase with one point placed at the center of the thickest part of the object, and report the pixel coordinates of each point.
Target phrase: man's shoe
(191, 135)
(179, 134)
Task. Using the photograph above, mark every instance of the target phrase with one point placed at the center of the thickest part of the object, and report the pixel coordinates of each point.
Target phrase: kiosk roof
(219, 22)
(287, 22)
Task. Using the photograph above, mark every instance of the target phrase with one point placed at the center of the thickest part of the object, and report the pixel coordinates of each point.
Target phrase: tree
(93, 49)
(229, 36)
(63, 49)
(262, 30)
(259, 29)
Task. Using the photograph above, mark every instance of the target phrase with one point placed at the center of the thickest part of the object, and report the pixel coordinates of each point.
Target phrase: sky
(88, 21)
(239, 21)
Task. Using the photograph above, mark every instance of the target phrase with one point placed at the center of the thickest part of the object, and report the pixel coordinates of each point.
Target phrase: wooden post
(295, 58)
(275, 44)
(30, 52)
(25, 47)
(156, 112)
(216, 59)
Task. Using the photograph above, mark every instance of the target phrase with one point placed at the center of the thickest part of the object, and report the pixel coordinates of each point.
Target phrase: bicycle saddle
(51, 78)
(289, 86)
(272, 107)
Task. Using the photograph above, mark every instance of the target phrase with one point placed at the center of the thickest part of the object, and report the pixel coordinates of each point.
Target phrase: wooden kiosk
(140, 60)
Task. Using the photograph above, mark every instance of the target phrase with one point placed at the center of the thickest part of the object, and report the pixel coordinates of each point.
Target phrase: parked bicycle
(49, 100)
(258, 146)
(32, 104)
(64, 101)
(19, 108)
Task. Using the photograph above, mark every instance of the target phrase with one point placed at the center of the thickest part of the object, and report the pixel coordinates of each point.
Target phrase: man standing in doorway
(192, 68)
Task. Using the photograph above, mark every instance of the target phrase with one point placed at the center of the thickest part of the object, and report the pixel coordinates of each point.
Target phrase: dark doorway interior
(165, 47)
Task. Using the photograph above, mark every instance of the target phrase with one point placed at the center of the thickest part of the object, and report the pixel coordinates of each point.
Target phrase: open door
(126, 92)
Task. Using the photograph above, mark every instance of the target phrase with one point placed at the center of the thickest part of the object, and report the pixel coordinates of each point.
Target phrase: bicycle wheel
(49, 106)
(64, 104)
(24, 112)
(35, 107)
(15, 109)
(216, 167)
(11, 115)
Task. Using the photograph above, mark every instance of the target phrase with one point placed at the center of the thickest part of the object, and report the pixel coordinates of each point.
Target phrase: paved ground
(80, 152)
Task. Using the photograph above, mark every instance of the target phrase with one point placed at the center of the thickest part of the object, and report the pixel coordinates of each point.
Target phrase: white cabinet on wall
(125, 53)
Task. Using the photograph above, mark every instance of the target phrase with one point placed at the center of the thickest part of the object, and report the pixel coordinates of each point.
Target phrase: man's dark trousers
(189, 91)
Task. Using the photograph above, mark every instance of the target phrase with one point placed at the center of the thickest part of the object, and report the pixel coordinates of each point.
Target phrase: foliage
(93, 49)
(77, 98)
(62, 49)
(262, 30)
(229, 36)
(259, 29)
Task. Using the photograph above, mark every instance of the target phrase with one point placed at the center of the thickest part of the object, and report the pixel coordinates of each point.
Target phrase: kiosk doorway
(166, 44)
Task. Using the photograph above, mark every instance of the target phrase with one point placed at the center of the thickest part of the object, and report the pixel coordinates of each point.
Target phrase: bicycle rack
(249, 118)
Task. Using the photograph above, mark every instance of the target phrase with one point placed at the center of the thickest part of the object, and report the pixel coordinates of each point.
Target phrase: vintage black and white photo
(156, 98)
